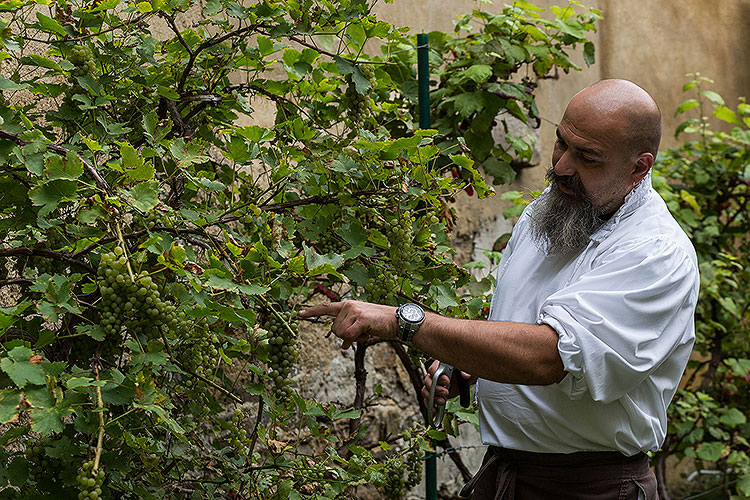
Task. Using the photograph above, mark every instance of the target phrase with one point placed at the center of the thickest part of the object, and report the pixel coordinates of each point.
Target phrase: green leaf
(135, 168)
(162, 415)
(69, 168)
(14, 432)
(733, 418)
(46, 420)
(588, 53)
(214, 281)
(686, 106)
(49, 195)
(713, 97)
(9, 401)
(20, 370)
(501, 172)
(469, 103)
(145, 195)
(711, 451)
(727, 115)
(743, 485)
(96, 332)
(479, 73)
(42, 62)
(436, 434)
(50, 25)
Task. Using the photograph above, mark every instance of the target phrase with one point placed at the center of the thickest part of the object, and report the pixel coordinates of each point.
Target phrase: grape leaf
(9, 401)
(46, 421)
(20, 370)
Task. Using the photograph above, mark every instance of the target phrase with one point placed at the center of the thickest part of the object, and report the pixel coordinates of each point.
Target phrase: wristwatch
(409, 317)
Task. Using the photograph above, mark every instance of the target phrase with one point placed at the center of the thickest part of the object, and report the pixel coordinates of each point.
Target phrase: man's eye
(586, 159)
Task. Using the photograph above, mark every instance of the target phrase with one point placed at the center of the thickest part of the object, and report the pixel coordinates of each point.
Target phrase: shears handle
(435, 420)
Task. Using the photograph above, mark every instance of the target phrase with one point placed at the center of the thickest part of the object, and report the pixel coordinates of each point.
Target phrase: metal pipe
(423, 81)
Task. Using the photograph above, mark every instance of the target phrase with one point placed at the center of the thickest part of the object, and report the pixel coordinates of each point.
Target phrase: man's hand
(355, 321)
(442, 392)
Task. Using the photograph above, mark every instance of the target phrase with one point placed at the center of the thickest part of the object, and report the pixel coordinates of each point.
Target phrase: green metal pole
(423, 80)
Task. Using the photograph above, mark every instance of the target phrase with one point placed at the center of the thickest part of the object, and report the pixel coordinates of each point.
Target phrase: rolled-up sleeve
(621, 319)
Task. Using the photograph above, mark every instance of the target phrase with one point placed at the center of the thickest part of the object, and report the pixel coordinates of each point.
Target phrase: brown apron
(588, 475)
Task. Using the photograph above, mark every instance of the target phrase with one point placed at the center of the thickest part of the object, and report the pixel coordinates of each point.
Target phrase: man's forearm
(517, 353)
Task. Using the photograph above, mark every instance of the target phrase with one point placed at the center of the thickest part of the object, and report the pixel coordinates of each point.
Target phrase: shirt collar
(633, 200)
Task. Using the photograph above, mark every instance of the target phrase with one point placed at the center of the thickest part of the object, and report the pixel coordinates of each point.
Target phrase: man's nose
(564, 166)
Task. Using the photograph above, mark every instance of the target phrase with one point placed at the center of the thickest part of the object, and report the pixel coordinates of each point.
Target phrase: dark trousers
(588, 475)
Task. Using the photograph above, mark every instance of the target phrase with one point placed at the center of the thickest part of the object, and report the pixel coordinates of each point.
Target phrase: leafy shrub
(706, 183)
(156, 247)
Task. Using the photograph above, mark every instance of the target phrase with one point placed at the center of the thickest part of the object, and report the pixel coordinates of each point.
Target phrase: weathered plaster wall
(654, 43)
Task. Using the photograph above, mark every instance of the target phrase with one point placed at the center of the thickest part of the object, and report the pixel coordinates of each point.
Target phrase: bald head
(628, 109)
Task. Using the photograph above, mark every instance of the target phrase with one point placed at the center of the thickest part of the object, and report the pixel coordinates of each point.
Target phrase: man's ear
(641, 167)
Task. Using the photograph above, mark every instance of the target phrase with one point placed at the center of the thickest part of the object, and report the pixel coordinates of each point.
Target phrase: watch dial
(412, 313)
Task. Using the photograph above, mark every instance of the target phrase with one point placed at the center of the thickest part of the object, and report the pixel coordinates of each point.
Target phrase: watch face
(412, 313)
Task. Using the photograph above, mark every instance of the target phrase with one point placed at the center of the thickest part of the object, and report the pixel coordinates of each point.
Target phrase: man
(591, 323)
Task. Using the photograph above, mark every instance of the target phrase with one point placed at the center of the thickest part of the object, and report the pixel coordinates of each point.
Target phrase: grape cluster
(44, 265)
(382, 288)
(136, 304)
(238, 437)
(83, 59)
(90, 481)
(200, 356)
(358, 105)
(282, 337)
(152, 218)
(400, 233)
(399, 475)
(328, 242)
(44, 470)
(38, 462)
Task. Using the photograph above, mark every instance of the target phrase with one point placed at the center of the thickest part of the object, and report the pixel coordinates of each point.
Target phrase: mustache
(572, 182)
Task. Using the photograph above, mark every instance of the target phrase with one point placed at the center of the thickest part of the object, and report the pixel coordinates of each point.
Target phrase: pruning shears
(463, 390)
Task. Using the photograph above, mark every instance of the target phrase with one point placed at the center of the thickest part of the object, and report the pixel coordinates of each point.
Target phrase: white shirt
(623, 309)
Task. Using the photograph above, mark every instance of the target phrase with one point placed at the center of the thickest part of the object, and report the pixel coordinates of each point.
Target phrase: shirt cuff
(573, 384)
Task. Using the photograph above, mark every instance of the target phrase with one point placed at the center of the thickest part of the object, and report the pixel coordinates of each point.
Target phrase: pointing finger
(331, 309)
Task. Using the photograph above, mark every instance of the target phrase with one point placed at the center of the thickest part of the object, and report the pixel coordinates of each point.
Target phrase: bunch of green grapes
(400, 234)
(357, 104)
(44, 265)
(90, 481)
(369, 72)
(152, 218)
(125, 299)
(202, 351)
(400, 474)
(382, 288)
(83, 59)
(38, 462)
(44, 471)
(129, 302)
(282, 331)
(329, 242)
(238, 437)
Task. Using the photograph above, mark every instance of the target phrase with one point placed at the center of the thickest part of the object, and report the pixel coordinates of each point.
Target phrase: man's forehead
(584, 127)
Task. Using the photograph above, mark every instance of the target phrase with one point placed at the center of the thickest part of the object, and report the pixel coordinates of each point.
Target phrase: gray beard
(564, 223)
